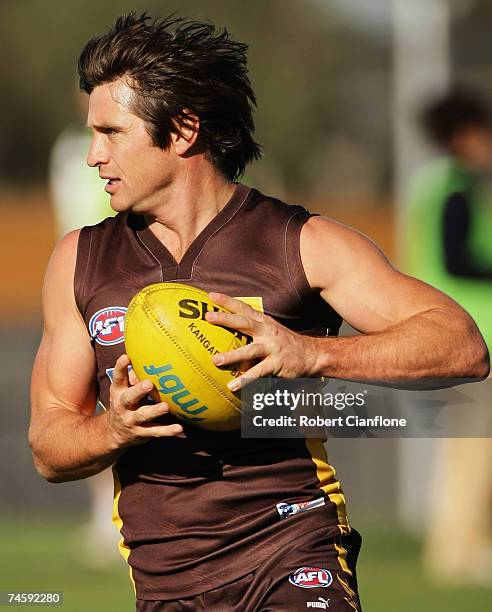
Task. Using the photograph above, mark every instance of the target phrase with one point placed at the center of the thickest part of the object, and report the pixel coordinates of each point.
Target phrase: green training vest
(424, 244)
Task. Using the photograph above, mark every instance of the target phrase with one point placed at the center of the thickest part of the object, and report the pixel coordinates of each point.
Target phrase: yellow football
(170, 343)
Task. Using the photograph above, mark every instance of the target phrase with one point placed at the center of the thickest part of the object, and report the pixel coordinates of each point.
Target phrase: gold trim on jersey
(342, 558)
(352, 596)
(327, 482)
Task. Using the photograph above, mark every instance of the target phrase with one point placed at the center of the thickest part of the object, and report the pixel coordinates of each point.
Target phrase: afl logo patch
(107, 326)
(311, 577)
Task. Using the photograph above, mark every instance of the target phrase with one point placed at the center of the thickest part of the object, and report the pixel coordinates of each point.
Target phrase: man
(448, 245)
(170, 107)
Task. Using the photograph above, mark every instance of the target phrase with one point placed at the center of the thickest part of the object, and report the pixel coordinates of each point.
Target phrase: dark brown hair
(459, 109)
(177, 67)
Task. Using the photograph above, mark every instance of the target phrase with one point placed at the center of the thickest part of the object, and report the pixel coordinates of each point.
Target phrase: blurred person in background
(449, 245)
(78, 199)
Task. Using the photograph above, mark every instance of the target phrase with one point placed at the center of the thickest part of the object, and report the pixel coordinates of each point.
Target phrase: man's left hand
(280, 351)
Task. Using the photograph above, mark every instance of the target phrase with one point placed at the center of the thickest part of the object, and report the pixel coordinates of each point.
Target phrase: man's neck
(189, 207)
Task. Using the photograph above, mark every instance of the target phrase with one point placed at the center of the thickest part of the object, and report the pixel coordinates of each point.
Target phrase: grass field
(42, 555)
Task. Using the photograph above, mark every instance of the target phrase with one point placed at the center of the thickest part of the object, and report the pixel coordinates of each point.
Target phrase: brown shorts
(309, 574)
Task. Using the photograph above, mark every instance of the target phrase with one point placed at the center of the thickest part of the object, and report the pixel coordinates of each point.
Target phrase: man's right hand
(129, 421)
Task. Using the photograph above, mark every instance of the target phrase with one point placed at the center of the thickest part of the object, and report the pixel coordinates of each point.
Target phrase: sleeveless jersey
(199, 510)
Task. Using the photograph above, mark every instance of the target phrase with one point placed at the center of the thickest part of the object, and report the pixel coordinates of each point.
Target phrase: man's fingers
(258, 371)
(160, 431)
(234, 321)
(245, 353)
(145, 414)
(232, 304)
(132, 396)
(132, 377)
(120, 372)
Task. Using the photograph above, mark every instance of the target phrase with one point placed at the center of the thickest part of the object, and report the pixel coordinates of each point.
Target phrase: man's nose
(98, 152)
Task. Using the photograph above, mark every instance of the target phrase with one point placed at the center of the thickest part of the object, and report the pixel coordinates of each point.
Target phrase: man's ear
(186, 134)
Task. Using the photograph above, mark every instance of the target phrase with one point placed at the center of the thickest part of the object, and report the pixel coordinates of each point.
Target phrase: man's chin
(118, 204)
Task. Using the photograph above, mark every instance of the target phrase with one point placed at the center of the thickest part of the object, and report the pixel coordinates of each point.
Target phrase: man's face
(137, 172)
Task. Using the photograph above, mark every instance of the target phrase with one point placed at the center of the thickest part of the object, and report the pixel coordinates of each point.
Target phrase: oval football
(169, 342)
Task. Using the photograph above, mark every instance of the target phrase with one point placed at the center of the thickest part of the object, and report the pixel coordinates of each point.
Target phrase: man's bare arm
(67, 439)
(410, 331)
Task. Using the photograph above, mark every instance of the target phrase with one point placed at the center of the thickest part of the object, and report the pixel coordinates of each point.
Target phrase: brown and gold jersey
(199, 510)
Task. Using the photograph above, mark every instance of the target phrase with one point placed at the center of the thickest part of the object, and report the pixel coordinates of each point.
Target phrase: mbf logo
(311, 577)
(170, 383)
(107, 325)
